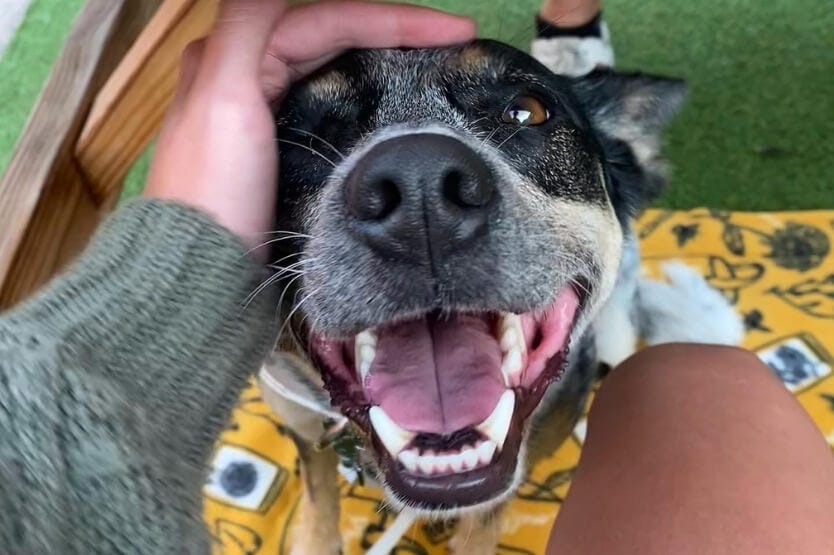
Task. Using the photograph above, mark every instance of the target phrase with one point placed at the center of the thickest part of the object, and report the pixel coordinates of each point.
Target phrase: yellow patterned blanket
(777, 268)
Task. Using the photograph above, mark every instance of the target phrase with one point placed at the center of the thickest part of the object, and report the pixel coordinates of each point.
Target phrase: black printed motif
(652, 225)
(829, 398)
(232, 537)
(799, 247)
(545, 491)
(795, 246)
(733, 239)
(792, 366)
(731, 278)
(799, 360)
(239, 479)
(684, 233)
(754, 321)
(814, 297)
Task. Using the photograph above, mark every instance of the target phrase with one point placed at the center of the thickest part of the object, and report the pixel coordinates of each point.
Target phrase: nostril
(466, 191)
(451, 187)
(376, 201)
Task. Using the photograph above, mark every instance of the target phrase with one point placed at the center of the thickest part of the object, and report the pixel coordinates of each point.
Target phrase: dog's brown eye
(526, 110)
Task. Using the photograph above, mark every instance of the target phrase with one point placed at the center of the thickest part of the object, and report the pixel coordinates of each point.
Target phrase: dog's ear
(631, 110)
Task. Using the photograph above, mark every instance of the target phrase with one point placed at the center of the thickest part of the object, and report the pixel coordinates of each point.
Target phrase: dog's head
(460, 217)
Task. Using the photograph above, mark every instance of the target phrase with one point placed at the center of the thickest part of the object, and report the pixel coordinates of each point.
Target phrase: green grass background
(756, 134)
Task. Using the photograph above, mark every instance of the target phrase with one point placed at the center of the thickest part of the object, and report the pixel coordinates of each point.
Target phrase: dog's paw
(685, 308)
(574, 56)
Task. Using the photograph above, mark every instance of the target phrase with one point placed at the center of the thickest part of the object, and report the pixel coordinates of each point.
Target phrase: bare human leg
(569, 13)
(698, 449)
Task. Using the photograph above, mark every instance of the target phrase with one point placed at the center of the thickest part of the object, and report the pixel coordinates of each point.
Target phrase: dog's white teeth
(392, 436)
(485, 451)
(511, 368)
(449, 463)
(409, 459)
(365, 351)
(512, 334)
(470, 458)
(497, 425)
(453, 462)
(513, 348)
(426, 463)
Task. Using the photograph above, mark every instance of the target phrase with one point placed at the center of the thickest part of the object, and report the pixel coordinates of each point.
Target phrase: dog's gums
(446, 395)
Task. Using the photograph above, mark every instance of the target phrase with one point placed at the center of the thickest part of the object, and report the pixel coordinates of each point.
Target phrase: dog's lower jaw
(397, 503)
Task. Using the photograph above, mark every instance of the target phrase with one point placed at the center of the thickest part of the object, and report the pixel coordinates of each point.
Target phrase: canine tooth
(511, 367)
(365, 352)
(392, 436)
(497, 425)
(409, 459)
(469, 457)
(366, 358)
(513, 347)
(508, 340)
(512, 334)
(367, 337)
(485, 451)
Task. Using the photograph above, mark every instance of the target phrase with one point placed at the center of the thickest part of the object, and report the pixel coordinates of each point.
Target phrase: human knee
(691, 366)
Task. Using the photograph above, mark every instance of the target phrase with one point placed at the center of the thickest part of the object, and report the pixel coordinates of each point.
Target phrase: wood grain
(46, 208)
(129, 109)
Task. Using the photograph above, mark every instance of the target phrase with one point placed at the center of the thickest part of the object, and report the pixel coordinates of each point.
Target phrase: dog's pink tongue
(436, 375)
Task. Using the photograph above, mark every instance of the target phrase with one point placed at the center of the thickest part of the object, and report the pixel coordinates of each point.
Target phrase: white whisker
(311, 149)
(513, 134)
(313, 135)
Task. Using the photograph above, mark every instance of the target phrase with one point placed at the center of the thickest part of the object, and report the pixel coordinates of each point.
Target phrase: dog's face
(461, 214)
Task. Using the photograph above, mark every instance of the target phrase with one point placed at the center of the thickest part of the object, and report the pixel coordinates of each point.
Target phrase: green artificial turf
(756, 134)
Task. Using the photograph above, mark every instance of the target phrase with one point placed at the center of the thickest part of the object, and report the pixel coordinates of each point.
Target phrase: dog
(458, 258)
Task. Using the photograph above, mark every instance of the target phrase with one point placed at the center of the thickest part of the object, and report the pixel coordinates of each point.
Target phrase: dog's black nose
(419, 193)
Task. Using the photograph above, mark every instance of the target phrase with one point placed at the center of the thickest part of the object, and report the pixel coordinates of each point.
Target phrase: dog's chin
(444, 397)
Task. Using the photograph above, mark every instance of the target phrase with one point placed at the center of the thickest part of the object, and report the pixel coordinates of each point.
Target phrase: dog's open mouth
(445, 395)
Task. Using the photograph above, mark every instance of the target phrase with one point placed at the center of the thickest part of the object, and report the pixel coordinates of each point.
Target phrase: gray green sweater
(116, 380)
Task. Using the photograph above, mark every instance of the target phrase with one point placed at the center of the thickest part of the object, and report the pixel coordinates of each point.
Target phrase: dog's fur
(568, 189)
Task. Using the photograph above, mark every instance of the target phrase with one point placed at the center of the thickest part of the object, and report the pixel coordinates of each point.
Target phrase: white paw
(684, 308)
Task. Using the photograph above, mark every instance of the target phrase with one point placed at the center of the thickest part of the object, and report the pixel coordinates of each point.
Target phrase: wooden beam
(46, 211)
(60, 227)
(129, 109)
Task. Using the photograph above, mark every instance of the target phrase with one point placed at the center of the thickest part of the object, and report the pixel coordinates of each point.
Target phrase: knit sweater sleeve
(115, 381)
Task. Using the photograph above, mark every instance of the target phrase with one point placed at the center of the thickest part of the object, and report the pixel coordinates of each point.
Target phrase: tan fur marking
(316, 529)
(329, 85)
(471, 59)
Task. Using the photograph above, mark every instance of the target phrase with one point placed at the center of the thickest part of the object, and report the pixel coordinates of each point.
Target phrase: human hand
(217, 149)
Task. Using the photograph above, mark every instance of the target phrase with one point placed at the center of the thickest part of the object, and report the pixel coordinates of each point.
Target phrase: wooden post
(128, 112)
(46, 208)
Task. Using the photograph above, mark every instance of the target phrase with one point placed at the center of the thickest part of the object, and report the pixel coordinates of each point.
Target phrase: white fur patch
(686, 309)
(574, 56)
(614, 332)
